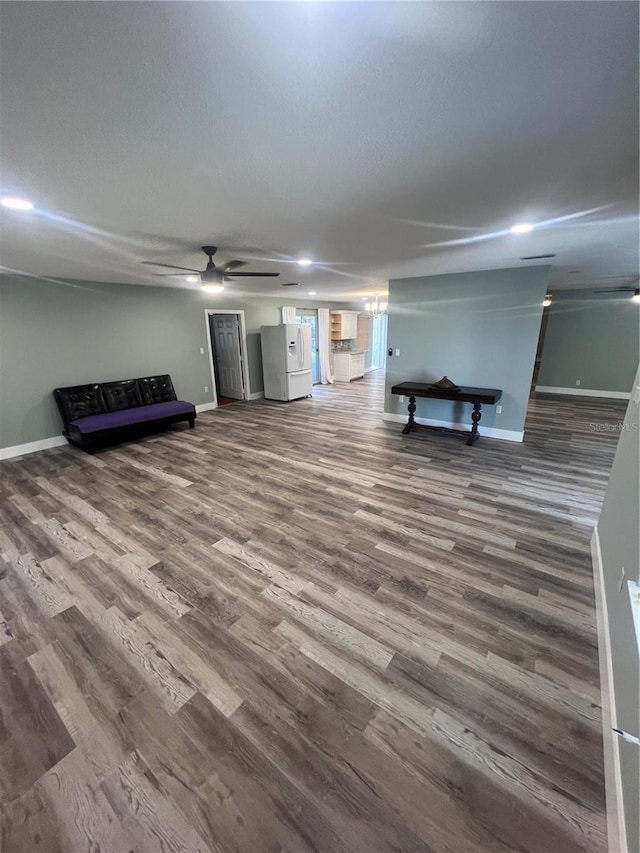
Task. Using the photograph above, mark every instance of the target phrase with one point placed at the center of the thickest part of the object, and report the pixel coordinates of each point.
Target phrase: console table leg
(476, 414)
(411, 423)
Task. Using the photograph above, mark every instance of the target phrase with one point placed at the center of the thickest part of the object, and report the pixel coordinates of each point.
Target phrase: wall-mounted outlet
(206, 389)
(397, 352)
(623, 575)
(401, 398)
(577, 381)
(498, 410)
(201, 350)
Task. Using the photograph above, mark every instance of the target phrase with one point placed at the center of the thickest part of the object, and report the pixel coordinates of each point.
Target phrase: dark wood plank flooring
(294, 629)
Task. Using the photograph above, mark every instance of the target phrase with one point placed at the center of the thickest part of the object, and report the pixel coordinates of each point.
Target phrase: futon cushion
(140, 414)
(124, 394)
(80, 401)
(156, 389)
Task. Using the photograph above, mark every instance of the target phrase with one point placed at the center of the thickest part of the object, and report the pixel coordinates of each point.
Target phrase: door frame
(208, 312)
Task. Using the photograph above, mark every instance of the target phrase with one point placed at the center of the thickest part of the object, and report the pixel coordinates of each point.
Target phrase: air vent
(291, 284)
(536, 257)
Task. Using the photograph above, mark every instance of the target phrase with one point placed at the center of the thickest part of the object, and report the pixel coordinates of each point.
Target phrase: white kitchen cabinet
(348, 366)
(344, 325)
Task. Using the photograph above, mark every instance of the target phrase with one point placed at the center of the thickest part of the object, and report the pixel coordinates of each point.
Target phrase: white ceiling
(364, 135)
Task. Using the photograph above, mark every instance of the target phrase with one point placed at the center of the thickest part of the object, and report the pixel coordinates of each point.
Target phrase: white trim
(257, 395)
(634, 599)
(612, 777)
(206, 407)
(487, 432)
(243, 351)
(370, 369)
(582, 392)
(32, 447)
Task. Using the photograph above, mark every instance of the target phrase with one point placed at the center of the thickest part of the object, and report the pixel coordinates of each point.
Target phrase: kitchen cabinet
(364, 326)
(344, 325)
(348, 366)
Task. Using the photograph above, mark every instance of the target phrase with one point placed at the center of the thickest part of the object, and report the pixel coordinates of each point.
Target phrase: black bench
(109, 412)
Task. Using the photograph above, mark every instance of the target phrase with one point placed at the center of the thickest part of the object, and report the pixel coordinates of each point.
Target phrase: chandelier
(375, 308)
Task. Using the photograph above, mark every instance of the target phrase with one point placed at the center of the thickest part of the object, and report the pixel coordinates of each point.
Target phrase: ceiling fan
(212, 274)
(634, 289)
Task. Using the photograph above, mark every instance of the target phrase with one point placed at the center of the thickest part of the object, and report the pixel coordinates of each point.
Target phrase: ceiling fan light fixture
(193, 278)
(212, 288)
(14, 203)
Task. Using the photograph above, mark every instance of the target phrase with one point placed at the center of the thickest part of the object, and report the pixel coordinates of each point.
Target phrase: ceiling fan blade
(168, 266)
(233, 265)
(170, 274)
(232, 274)
(618, 290)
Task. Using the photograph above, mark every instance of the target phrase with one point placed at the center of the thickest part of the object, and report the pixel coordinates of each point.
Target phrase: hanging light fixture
(375, 308)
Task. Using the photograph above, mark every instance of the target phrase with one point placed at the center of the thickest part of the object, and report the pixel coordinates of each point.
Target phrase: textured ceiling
(382, 140)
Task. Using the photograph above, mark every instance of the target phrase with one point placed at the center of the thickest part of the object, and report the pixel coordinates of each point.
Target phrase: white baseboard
(487, 432)
(32, 447)
(582, 392)
(616, 830)
(205, 407)
(258, 395)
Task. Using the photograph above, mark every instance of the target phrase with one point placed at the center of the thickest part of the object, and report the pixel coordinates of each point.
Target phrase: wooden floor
(294, 629)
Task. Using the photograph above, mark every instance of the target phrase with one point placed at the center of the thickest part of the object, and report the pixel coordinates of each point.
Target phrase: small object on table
(476, 396)
(445, 384)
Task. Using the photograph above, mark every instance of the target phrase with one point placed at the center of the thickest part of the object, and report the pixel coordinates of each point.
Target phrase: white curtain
(324, 345)
(288, 314)
(379, 342)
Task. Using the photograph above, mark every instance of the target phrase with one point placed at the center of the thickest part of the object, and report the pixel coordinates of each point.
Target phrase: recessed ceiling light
(14, 203)
(547, 300)
(212, 288)
(364, 298)
(521, 228)
(312, 293)
(193, 278)
(305, 262)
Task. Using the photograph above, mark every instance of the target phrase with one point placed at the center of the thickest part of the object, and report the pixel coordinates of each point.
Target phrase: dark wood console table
(476, 396)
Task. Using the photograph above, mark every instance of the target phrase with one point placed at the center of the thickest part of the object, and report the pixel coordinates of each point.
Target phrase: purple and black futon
(110, 412)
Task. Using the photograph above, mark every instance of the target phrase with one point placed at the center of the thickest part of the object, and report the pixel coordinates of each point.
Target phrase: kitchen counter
(348, 365)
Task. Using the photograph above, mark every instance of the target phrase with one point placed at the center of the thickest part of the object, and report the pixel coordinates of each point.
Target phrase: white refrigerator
(286, 361)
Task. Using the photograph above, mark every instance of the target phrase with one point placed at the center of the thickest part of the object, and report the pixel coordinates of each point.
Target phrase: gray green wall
(479, 328)
(591, 338)
(619, 535)
(54, 334)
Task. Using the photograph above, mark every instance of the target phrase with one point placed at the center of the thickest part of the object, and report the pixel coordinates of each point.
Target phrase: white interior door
(225, 334)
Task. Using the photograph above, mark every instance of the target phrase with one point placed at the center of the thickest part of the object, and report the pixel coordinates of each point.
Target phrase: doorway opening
(227, 355)
(310, 318)
(539, 349)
